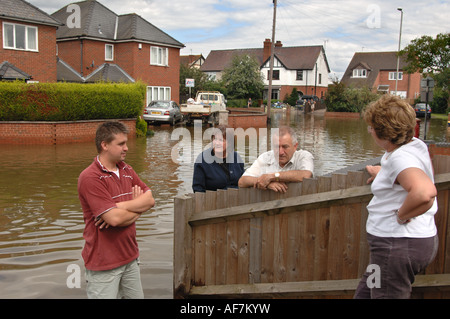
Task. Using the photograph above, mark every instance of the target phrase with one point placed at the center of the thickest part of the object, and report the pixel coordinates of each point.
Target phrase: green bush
(141, 127)
(440, 101)
(241, 103)
(70, 101)
(339, 98)
(292, 98)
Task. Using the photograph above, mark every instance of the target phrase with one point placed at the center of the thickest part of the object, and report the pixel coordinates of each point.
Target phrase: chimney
(266, 53)
(278, 44)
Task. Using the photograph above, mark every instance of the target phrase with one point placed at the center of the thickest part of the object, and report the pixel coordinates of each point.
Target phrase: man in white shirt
(283, 164)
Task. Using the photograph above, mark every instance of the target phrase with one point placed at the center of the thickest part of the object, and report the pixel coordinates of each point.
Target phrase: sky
(343, 27)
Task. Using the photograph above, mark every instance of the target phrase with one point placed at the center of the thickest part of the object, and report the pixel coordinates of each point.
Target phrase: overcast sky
(342, 26)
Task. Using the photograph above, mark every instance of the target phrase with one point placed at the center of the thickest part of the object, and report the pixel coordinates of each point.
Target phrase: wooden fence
(310, 242)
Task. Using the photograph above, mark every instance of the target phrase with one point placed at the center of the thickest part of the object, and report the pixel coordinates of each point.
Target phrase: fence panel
(313, 235)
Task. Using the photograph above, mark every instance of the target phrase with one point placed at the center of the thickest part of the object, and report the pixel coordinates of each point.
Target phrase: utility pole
(272, 49)
(399, 43)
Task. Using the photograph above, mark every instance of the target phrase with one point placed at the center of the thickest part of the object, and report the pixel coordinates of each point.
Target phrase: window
(155, 93)
(159, 56)
(20, 37)
(109, 52)
(359, 73)
(299, 75)
(320, 78)
(276, 74)
(393, 77)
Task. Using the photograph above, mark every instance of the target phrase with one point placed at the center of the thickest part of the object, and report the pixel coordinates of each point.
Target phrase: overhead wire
(315, 13)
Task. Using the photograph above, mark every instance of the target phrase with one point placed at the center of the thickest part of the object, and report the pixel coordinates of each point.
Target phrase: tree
(340, 98)
(199, 77)
(428, 55)
(292, 98)
(432, 57)
(243, 78)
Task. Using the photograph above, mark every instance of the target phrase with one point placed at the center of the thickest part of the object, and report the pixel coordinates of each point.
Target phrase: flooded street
(41, 221)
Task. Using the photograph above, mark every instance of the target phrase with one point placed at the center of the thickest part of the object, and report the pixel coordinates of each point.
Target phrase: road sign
(427, 82)
(190, 83)
(426, 95)
(426, 89)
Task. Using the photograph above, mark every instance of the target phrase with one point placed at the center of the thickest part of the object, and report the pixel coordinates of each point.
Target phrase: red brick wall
(93, 53)
(409, 83)
(240, 118)
(134, 61)
(54, 132)
(70, 52)
(40, 65)
(155, 75)
(438, 150)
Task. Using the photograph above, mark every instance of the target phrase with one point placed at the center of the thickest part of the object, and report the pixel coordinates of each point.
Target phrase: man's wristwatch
(277, 176)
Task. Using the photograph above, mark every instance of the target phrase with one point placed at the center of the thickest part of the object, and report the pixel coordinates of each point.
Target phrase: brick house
(28, 42)
(304, 68)
(114, 47)
(377, 70)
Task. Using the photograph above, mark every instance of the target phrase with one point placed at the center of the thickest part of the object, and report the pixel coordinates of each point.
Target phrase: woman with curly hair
(401, 230)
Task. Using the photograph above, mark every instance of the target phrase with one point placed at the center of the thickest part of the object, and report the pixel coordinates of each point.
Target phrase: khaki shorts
(121, 282)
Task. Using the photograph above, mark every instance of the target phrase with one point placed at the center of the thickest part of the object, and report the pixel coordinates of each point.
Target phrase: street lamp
(399, 42)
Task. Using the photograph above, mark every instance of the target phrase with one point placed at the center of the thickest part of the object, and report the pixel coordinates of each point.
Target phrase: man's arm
(127, 212)
(247, 181)
(140, 203)
(294, 176)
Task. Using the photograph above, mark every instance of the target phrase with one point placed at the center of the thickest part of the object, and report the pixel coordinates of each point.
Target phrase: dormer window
(359, 73)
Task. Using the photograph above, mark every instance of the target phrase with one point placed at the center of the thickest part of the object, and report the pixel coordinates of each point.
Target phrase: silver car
(162, 112)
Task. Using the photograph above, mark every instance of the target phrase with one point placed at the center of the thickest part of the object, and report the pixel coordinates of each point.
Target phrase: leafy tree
(340, 98)
(335, 99)
(199, 77)
(243, 78)
(432, 57)
(428, 55)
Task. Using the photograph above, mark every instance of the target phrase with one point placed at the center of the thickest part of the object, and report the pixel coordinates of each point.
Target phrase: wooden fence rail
(308, 242)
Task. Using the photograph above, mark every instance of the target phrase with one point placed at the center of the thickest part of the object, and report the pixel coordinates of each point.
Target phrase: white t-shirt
(266, 163)
(389, 196)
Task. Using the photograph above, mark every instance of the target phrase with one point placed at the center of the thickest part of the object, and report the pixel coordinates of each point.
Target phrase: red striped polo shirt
(99, 190)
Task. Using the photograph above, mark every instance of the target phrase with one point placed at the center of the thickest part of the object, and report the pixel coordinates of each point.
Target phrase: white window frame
(360, 73)
(155, 93)
(392, 76)
(159, 56)
(26, 37)
(107, 58)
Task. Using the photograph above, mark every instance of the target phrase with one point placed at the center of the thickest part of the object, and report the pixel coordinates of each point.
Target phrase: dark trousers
(394, 262)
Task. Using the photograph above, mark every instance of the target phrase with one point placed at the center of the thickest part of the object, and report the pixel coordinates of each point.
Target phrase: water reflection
(41, 221)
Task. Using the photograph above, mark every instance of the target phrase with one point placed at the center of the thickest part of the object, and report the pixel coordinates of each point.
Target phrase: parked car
(420, 110)
(163, 112)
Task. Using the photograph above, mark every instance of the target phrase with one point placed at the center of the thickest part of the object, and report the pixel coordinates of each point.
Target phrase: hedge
(70, 101)
(242, 103)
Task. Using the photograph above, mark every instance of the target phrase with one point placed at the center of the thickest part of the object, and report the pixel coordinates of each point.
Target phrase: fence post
(182, 246)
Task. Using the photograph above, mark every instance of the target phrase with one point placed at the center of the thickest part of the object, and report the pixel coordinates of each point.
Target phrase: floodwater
(41, 221)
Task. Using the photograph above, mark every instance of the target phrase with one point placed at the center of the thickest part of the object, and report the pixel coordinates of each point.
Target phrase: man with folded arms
(112, 197)
(283, 164)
